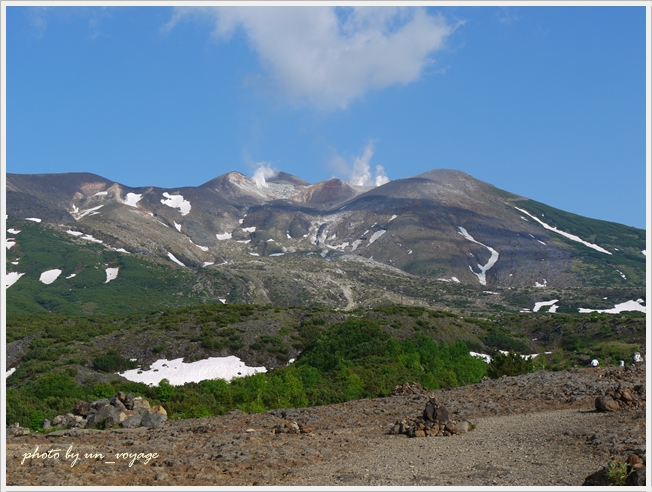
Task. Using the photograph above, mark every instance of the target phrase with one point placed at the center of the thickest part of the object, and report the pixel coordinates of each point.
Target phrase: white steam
(361, 174)
(262, 173)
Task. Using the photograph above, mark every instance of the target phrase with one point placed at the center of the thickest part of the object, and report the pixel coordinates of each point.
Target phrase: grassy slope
(596, 268)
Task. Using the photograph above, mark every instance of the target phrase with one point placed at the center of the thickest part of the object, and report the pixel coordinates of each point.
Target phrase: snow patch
(79, 214)
(452, 279)
(111, 274)
(11, 278)
(572, 237)
(254, 254)
(636, 305)
(249, 229)
(355, 244)
(247, 241)
(33, 219)
(11, 243)
(101, 193)
(171, 256)
(222, 237)
(543, 285)
(132, 199)
(277, 254)
(13, 231)
(485, 357)
(482, 276)
(178, 373)
(393, 217)
(177, 201)
(539, 305)
(177, 226)
(71, 275)
(50, 276)
(375, 236)
(208, 263)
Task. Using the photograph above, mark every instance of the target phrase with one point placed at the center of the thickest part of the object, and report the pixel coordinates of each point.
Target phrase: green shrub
(510, 364)
(112, 362)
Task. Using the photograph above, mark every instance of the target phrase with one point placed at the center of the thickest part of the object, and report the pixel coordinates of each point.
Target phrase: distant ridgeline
(78, 240)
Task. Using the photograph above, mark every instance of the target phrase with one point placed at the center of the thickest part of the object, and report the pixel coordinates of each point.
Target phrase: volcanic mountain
(442, 226)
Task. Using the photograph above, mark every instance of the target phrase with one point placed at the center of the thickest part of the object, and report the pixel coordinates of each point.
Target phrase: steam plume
(263, 172)
(361, 174)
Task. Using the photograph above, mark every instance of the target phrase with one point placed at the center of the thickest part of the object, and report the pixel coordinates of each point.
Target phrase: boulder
(153, 420)
(441, 413)
(46, 424)
(16, 430)
(132, 421)
(81, 408)
(606, 404)
(158, 409)
(429, 412)
(129, 401)
(597, 479)
(117, 403)
(97, 404)
(141, 405)
(637, 477)
(107, 416)
(464, 426)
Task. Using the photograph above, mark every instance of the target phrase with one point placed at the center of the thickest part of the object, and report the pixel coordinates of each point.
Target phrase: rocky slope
(536, 429)
(442, 224)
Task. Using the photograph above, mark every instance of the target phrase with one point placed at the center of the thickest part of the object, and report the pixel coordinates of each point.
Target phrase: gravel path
(517, 450)
(533, 430)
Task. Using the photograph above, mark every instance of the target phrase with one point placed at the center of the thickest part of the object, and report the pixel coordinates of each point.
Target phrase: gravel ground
(537, 429)
(518, 450)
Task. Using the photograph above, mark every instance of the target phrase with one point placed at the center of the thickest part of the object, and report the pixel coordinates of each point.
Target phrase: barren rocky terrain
(537, 429)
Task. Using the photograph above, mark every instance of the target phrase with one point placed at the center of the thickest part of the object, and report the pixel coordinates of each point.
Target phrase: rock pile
(292, 428)
(622, 398)
(15, 430)
(435, 421)
(124, 410)
(407, 389)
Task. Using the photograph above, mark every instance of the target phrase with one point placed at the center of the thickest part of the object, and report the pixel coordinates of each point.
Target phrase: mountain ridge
(443, 225)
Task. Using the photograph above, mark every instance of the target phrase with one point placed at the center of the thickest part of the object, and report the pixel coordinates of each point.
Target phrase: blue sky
(545, 102)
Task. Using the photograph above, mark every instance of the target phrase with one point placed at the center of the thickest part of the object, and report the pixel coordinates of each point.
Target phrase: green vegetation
(617, 473)
(350, 360)
(509, 364)
(112, 362)
(339, 356)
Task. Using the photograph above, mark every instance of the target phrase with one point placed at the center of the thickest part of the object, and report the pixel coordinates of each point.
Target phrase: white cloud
(326, 56)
